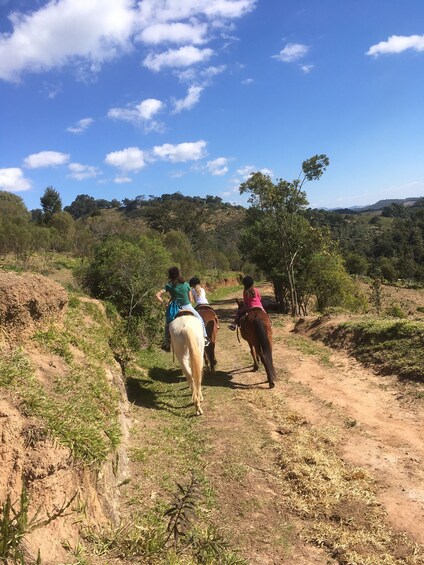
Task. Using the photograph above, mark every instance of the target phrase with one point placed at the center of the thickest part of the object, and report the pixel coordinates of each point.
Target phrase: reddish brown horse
(211, 323)
(255, 328)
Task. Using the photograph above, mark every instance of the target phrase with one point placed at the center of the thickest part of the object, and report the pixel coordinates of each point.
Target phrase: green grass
(169, 448)
(308, 347)
(223, 291)
(395, 346)
(74, 401)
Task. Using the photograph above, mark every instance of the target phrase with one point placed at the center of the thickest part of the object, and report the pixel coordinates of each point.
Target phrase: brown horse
(255, 328)
(211, 323)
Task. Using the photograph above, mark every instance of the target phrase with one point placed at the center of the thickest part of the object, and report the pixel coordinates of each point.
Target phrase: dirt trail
(382, 433)
(360, 432)
(378, 429)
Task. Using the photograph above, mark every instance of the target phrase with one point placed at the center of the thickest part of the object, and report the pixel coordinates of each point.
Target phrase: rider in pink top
(251, 299)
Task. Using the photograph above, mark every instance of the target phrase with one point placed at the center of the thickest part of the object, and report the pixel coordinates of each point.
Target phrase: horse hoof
(271, 385)
(199, 412)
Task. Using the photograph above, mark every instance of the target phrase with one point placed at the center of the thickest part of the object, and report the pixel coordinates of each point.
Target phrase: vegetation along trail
(325, 468)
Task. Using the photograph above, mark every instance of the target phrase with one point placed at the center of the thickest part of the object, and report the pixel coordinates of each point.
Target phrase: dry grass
(336, 502)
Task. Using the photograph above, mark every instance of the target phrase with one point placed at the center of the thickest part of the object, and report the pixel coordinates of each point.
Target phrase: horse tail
(196, 364)
(265, 350)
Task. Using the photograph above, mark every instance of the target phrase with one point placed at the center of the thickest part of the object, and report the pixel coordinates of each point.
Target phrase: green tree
(178, 244)
(278, 236)
(356, 263)
(331, 284)
(63, 227)
(51, 203)
(16, 233)
(128, 274)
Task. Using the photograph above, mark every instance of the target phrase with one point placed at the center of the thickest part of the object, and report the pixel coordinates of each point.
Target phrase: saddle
(253, 309)
(204, 307)
(184, 313)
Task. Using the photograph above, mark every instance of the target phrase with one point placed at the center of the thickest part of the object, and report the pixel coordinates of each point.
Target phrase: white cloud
(247, 81)
(81, 172)
(65, 31)
(229, 8)
(192, 98)
(122, 180)
(141, 114)
(130, 159)
(182, 57)
(50, 89)
(182, 152)
(307, 68)
(175, 32)
(247, 170)
(172, 10)
(80, 125)
(13, 180)
(292, 52)
(397, 44)
(46, 159)
(86, 34)
(201, 76)
(177, 174)
(266, 171)
(218, 167)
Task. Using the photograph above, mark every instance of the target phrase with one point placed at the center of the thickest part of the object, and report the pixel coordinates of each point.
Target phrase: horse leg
(211, 356)
(269, 372)
(255, 358)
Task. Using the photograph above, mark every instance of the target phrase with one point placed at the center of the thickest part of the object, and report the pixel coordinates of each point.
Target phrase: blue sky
(116, 98)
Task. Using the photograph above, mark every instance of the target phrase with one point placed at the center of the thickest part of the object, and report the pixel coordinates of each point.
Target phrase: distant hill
(378, 205)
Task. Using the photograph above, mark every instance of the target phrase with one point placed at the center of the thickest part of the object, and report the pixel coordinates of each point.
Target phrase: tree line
(125, 246)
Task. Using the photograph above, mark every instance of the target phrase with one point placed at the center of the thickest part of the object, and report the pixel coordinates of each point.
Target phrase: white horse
(188, 343)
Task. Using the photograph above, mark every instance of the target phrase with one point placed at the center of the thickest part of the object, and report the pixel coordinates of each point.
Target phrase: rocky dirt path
(379, 427)
(381, 430)
(326, 468)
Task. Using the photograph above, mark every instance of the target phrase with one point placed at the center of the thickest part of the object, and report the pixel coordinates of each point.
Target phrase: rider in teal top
(180, 291)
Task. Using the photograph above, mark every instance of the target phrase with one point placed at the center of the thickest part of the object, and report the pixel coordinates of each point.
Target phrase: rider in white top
(198, 292)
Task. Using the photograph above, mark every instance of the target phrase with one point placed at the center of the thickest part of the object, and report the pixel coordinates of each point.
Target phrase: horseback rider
(198, 292)
(251, 299)
(199, 295)
(180, 295)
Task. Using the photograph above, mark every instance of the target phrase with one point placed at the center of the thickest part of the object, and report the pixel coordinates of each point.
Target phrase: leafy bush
(395, 311)
(128, 274)
(332, 285)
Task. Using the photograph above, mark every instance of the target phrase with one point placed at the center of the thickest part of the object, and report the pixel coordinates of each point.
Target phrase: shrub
(128, 274)
(395, 311)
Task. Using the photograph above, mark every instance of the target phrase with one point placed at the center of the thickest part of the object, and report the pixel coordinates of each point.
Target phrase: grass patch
(74, 400)
(179, 521)
(336, 501)
(223, 291)
(394, 346)
(308, 347)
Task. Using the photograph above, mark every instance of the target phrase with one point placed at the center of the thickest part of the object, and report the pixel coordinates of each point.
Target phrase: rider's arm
(159, 295)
